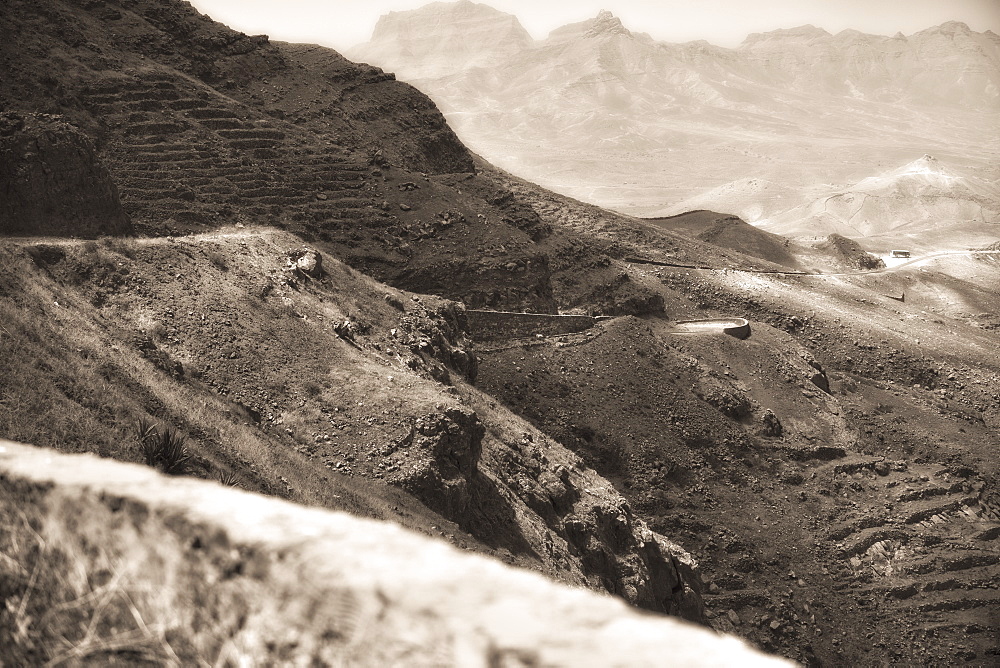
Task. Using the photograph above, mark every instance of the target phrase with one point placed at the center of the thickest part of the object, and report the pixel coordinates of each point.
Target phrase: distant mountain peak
(924, 172)
(607, 23)
(924, 165)
(441, 38)
(949, 29)
(803, 32)
(389, 25)
(954, 27)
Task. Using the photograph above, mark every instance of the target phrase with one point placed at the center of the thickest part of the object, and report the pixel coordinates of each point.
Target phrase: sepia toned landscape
(472, 348)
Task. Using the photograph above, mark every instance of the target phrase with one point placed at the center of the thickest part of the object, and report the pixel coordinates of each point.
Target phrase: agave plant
(165, 450)
(229, 479)
(145, 430)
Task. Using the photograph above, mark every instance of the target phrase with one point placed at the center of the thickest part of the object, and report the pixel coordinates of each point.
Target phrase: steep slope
(52, 181)
(147, 62)
(595, 104)
(201, 126)
(309, 381)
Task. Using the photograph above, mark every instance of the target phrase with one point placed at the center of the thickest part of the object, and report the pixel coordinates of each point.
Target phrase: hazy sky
(344, 23)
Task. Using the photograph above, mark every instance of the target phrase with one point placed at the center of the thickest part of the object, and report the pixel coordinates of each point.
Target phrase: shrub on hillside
(164, 449)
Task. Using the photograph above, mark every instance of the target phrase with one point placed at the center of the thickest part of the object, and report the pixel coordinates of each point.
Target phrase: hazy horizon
(342, 24)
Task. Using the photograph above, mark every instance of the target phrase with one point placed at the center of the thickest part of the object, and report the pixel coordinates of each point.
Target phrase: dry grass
(111, 583)
(69, 601)
(55, 391)
(90, 580)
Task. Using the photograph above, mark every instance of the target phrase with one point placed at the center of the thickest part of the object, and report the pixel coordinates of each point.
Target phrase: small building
(899, 253)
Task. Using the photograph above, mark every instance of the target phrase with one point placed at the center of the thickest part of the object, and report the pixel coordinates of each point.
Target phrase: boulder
(770, 424)
(310, 263)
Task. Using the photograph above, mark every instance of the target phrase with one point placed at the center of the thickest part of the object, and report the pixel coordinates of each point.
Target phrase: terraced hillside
(186, 157)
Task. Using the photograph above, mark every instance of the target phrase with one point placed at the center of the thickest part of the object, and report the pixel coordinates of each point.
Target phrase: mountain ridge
(922, 198)
(621, 120)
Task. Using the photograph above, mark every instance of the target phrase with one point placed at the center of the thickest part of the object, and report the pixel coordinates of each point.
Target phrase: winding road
(791, 272)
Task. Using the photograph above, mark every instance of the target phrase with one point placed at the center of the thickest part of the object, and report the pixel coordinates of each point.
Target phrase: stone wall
(736, 327)
(492, 325)
(183, 571)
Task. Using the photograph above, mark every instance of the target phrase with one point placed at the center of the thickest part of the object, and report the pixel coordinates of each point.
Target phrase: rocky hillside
(53, 182)
(293, 319)
(288, 373)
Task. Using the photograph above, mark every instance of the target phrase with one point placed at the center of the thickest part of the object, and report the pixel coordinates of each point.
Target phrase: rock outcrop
(308, 262)
(183, 571)
(51, 181)
(850, 253)
(444, 451)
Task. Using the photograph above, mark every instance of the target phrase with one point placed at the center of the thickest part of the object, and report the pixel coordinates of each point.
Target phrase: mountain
(262, 179)
(441, 37)
(263, 264)
(947, 65)
(732, 232)
(613, 117)
(923, 199)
